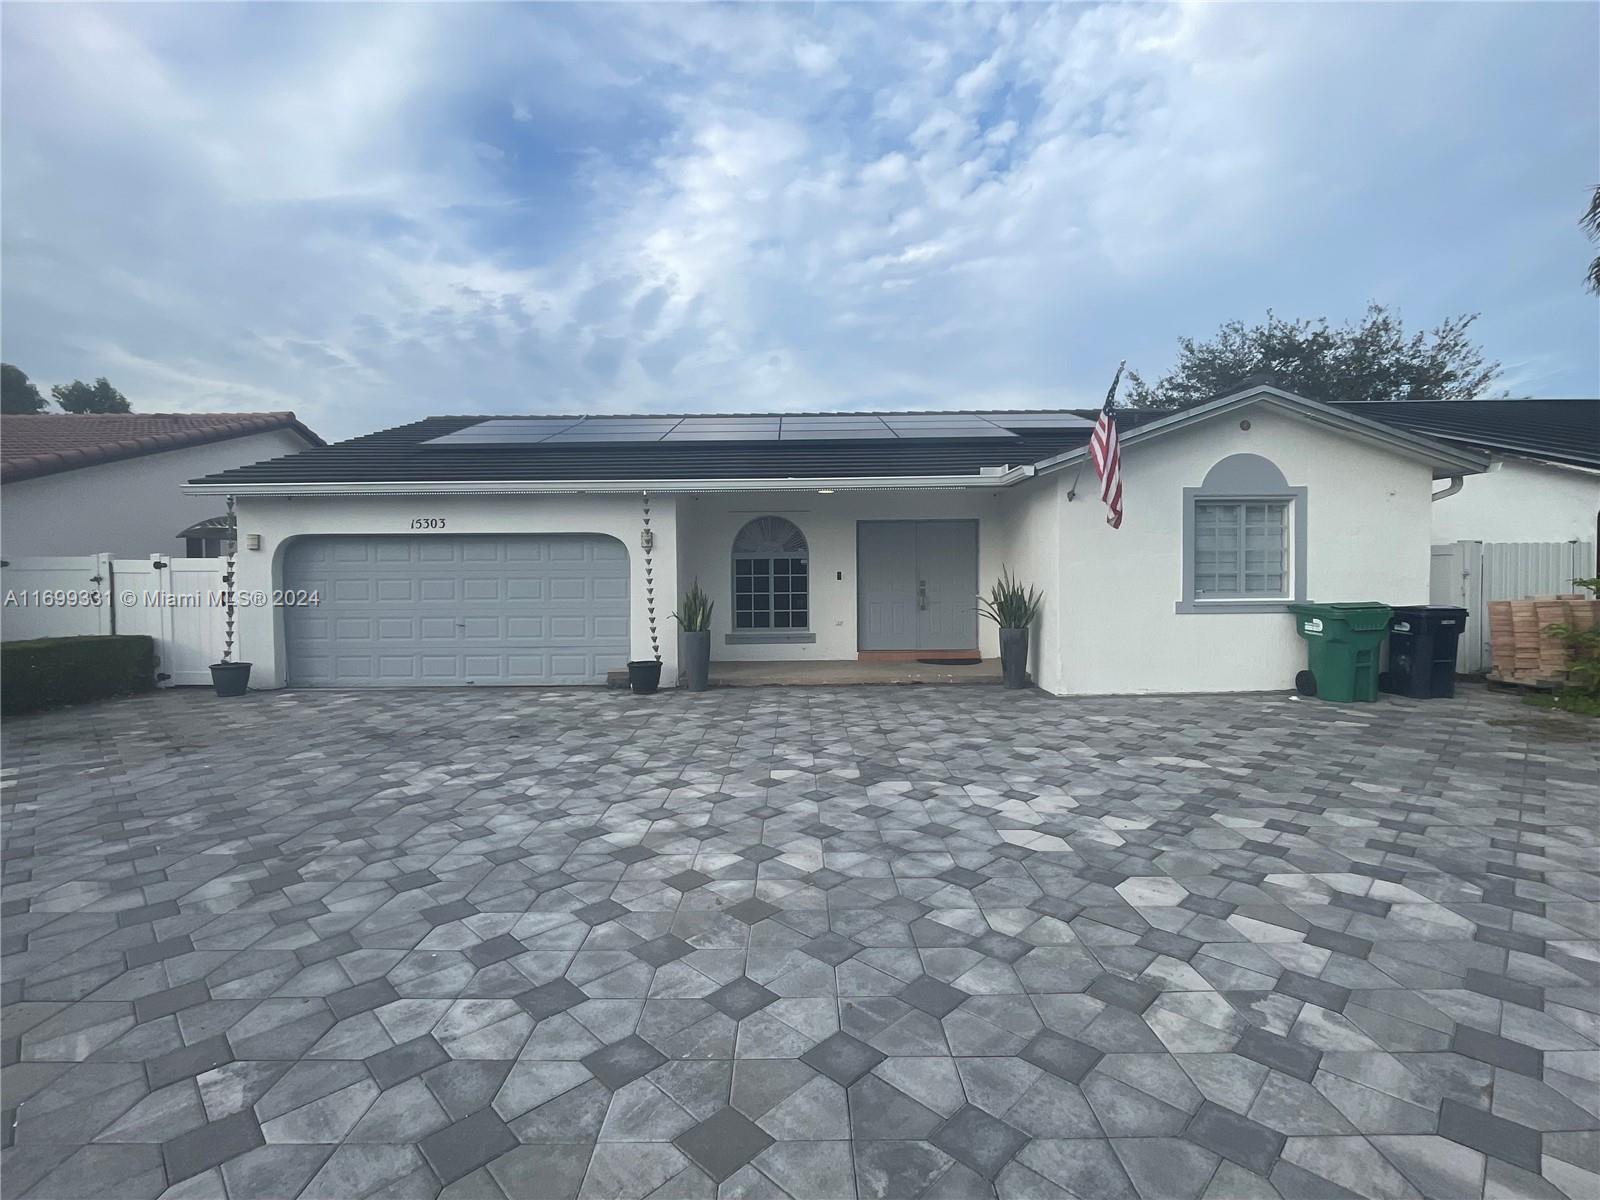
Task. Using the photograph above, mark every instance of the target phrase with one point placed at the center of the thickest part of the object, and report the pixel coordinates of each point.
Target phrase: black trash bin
(1422, 651)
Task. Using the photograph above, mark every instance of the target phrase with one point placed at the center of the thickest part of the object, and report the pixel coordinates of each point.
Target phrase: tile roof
(398, 455)
(1563, 431)
(402, 455)
(34, 444)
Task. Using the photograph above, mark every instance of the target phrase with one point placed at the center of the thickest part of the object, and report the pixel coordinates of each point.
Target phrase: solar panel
(617, 429)
(725, 429)
(951, 431)
(808, 434)
(1039, 420)
(712, 427)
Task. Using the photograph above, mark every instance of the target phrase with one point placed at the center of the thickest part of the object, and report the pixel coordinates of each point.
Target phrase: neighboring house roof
(403, 460)
(1562, 431)
(35, 444)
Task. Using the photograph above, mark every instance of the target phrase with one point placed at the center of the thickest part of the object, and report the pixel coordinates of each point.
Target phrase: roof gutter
(1004, 477)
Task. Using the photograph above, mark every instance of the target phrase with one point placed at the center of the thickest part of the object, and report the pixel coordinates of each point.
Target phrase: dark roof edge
(55, 462)
(1501, 447)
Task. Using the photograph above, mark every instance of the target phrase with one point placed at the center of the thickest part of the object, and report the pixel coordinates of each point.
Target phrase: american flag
(1105, 451)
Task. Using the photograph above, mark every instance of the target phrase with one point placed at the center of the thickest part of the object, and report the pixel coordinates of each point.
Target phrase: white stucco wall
(131, 509)
(1518, 500)
(708, 523)
(1368, 536)
(1030, 534)
(279, 520)
(1108, 625)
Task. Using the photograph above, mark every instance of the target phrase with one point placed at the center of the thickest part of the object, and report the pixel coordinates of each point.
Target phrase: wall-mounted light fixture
(252, 541)
(647, 540)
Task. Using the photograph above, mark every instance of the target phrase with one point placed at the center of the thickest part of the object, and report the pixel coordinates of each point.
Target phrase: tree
(17, 392)
(79, 397)
(1591, 226)
(1372, 359)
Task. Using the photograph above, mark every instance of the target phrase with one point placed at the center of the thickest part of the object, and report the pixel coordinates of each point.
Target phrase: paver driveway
(888, 942)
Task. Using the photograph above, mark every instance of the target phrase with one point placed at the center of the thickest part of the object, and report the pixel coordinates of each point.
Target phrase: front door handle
(922, 595)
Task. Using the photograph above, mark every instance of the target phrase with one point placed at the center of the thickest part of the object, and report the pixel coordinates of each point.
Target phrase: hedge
(48, 672)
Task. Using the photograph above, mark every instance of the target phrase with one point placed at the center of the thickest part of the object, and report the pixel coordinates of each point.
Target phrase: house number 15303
(427, 522)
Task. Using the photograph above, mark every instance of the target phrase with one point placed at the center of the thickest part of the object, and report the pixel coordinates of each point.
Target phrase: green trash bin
(1342, 642)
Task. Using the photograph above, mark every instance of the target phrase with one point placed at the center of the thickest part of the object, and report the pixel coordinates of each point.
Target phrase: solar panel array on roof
(844, 427)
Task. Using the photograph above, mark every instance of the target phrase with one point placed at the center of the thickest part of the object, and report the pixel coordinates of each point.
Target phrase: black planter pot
(1014, 657)
(695, 653)
(230, 678)
(644, 676)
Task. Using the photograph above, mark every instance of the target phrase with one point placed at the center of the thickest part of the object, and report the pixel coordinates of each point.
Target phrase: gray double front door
(918, 585)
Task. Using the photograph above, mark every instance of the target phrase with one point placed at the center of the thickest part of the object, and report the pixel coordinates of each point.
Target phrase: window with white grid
(771, 577)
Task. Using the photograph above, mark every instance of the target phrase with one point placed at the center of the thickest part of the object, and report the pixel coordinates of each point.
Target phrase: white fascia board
(1446, 460)
(891, 483)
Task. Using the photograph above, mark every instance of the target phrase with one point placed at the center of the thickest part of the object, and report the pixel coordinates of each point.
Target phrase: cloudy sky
(372, 213)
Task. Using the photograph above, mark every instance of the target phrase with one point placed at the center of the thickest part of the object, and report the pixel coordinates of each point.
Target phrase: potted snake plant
(694, 636)
(1014, 610)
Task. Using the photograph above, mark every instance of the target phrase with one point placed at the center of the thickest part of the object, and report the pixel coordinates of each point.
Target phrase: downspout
(1455, 485)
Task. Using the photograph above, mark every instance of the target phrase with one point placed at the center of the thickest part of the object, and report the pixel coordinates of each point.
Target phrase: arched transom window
(771, 576)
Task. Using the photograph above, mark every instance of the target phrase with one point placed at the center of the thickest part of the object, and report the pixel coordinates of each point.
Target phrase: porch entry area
(918, 587)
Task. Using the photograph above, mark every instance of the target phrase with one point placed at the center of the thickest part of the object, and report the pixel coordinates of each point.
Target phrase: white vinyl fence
(173, 600)
(1470, 574)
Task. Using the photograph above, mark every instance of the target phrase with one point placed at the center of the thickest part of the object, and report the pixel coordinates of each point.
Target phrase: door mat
(950, 662)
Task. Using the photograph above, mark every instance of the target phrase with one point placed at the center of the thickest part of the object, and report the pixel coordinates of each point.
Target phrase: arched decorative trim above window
(770, 535)
(1244, 539)
(771, 582)
(1245, 475)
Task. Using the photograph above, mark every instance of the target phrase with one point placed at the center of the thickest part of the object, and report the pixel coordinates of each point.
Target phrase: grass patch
(1572, 702)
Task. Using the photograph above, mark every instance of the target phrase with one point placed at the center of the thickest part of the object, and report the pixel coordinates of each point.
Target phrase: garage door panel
(450, 610)
(569, 629)
(612, 629)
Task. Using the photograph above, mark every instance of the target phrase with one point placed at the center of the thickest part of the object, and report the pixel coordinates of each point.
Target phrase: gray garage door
(446, 610)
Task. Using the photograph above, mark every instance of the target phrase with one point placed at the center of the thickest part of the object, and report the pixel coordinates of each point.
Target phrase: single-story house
(91, 483)
(1543, 481)
(550, 550)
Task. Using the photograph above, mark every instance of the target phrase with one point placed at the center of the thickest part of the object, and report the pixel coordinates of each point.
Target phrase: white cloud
(371, 214)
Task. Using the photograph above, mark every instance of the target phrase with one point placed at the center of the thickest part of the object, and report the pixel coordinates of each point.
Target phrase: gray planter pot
(694, 651)
(1014, 657)
(230, 678)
